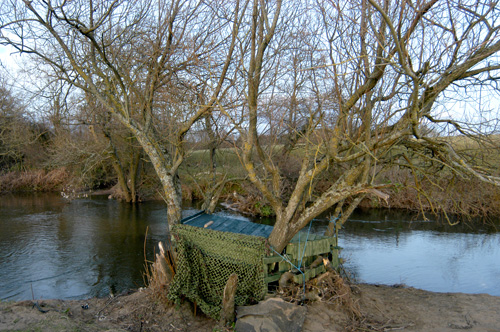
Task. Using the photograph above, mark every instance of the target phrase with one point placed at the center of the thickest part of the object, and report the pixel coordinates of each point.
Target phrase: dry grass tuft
(157, 283)
(160, 273)
(332, 288)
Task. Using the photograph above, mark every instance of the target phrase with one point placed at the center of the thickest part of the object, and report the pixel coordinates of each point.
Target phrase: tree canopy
(325, 96)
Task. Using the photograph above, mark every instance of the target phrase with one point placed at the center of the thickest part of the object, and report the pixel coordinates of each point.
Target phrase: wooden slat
(239, 226)
(272, 259)
(283, 266)
(194, 216)
(273, 277)
(261, 230)
(249, 228)
(227, 225)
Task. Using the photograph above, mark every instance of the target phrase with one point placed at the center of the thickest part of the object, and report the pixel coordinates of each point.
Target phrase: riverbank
(465, 200)
(383, 308)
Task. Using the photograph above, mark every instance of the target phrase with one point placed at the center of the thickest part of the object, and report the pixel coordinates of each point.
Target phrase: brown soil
(383, 308)
(386, 308)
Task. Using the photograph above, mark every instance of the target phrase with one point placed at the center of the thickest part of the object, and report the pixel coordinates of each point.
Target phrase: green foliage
(264, 209)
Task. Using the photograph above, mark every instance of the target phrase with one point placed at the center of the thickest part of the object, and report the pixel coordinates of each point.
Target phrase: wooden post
(162, 264)
(227, 314)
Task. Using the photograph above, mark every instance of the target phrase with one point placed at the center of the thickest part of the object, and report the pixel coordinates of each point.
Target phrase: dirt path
(384, 309)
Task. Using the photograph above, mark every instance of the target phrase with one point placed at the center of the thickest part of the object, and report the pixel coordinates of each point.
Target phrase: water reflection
(421, 254)
(77, 249)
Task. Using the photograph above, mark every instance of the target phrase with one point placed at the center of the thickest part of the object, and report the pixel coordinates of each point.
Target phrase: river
(54, 248)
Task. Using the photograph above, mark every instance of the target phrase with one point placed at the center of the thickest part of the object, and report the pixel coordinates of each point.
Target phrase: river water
(394, 248)
(54, 248)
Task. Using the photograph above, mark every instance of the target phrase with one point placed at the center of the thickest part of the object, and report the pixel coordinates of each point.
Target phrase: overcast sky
(8, 59)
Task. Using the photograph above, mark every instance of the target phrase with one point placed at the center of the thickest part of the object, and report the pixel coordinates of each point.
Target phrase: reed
(34, 180)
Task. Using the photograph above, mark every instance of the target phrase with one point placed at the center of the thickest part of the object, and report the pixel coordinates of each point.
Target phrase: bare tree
(14, 129)
(347, 89)
(125, 54)
(376, 79)
(122, 147)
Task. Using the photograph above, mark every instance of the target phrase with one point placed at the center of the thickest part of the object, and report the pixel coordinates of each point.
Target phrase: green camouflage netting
(205, 260)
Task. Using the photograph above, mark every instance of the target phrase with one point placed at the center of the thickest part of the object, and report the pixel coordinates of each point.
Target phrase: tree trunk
(134, 175)
(117, 165)
(280, 235)
(172, 193)
(122, 182)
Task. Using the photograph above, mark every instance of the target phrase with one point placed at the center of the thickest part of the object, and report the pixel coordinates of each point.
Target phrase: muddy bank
(384, 308)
